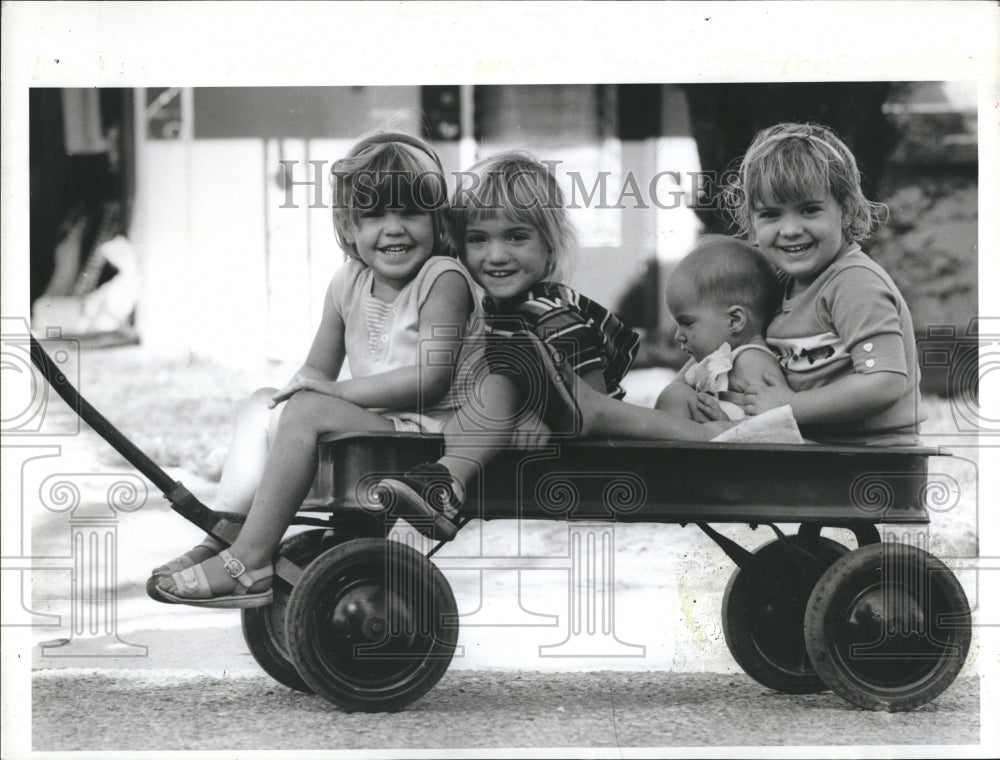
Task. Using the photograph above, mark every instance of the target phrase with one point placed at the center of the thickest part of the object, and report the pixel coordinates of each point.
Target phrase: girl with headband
(843, 333)
(400, 303)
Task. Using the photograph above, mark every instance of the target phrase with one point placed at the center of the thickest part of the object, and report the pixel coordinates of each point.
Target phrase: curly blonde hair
(789, 162)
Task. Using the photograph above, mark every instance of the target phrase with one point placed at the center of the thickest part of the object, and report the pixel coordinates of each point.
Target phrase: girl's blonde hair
(518, 186)
(790, 162)
(390, 171)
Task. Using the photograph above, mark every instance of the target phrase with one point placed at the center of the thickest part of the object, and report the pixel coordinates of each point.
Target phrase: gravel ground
(476, 709)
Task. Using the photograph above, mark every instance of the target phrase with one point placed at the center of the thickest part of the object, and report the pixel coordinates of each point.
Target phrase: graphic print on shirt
(808, 353)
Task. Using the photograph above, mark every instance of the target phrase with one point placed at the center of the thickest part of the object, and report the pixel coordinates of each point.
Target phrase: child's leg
(247, 453)
(288, 474)
(603, 415)
(291, 468)
(481, 428)
(680, 400)
(435, 492)
(241, 473)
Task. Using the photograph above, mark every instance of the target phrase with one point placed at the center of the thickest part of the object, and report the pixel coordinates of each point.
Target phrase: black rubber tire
(764, 607)
(372, 625)
(888, 627)
(264, 627)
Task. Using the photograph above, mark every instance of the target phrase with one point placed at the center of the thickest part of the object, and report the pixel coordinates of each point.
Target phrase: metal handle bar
(224, 526)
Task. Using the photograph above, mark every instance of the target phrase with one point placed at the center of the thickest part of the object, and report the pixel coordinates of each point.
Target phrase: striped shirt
(589, 336)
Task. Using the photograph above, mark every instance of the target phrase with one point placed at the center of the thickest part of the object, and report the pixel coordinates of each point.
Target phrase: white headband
(820, 140)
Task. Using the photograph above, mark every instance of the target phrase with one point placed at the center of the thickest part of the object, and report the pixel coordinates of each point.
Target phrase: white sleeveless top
(711, 374)
(380, 335)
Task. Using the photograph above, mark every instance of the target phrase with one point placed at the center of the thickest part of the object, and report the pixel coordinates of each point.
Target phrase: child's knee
(302, 411)
(263, 394)
(260, 399)
(256, 410)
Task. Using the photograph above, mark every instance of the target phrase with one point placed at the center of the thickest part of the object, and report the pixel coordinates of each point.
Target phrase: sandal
(197, 589)
(207, 548)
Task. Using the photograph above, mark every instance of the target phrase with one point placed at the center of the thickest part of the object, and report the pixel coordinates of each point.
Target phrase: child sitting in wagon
(843, 333)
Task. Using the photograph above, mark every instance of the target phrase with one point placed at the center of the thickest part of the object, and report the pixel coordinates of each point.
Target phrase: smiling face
(702, 325)
(504, 256)
(394, 244)
(800, 238)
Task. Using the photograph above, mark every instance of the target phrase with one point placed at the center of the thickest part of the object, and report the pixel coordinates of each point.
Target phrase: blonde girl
(399, 303)
(843, 333)
(550, 352)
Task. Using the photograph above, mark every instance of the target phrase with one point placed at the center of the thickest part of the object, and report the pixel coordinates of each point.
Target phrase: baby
(722, 295)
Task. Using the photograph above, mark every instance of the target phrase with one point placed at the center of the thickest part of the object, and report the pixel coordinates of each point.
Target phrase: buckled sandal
(192, 586)
(207, 548)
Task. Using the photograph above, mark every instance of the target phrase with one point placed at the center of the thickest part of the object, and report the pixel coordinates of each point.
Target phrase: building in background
(223, 192)
(226, 200)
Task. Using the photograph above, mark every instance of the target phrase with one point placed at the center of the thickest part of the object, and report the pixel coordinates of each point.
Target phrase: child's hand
(708, 405)
(299, 383)
(762, 398)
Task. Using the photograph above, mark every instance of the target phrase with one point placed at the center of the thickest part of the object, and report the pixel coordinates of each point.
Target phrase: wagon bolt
(374, 628)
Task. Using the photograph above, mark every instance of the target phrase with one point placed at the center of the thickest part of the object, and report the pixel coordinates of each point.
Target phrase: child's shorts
(413, 422)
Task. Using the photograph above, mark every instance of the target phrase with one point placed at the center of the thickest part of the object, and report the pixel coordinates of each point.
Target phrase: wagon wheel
(372, 625)
(764, 607)
(264, 627)
(888, 627)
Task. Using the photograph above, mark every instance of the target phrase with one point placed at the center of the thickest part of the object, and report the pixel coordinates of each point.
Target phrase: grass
(181, 412)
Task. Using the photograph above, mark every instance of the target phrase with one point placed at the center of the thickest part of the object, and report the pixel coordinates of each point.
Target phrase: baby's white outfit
(711, 374)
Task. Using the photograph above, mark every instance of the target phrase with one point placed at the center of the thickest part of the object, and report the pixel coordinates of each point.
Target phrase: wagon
(371, 624)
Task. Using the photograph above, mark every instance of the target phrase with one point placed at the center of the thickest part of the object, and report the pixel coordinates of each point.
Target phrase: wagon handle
(223, 526)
